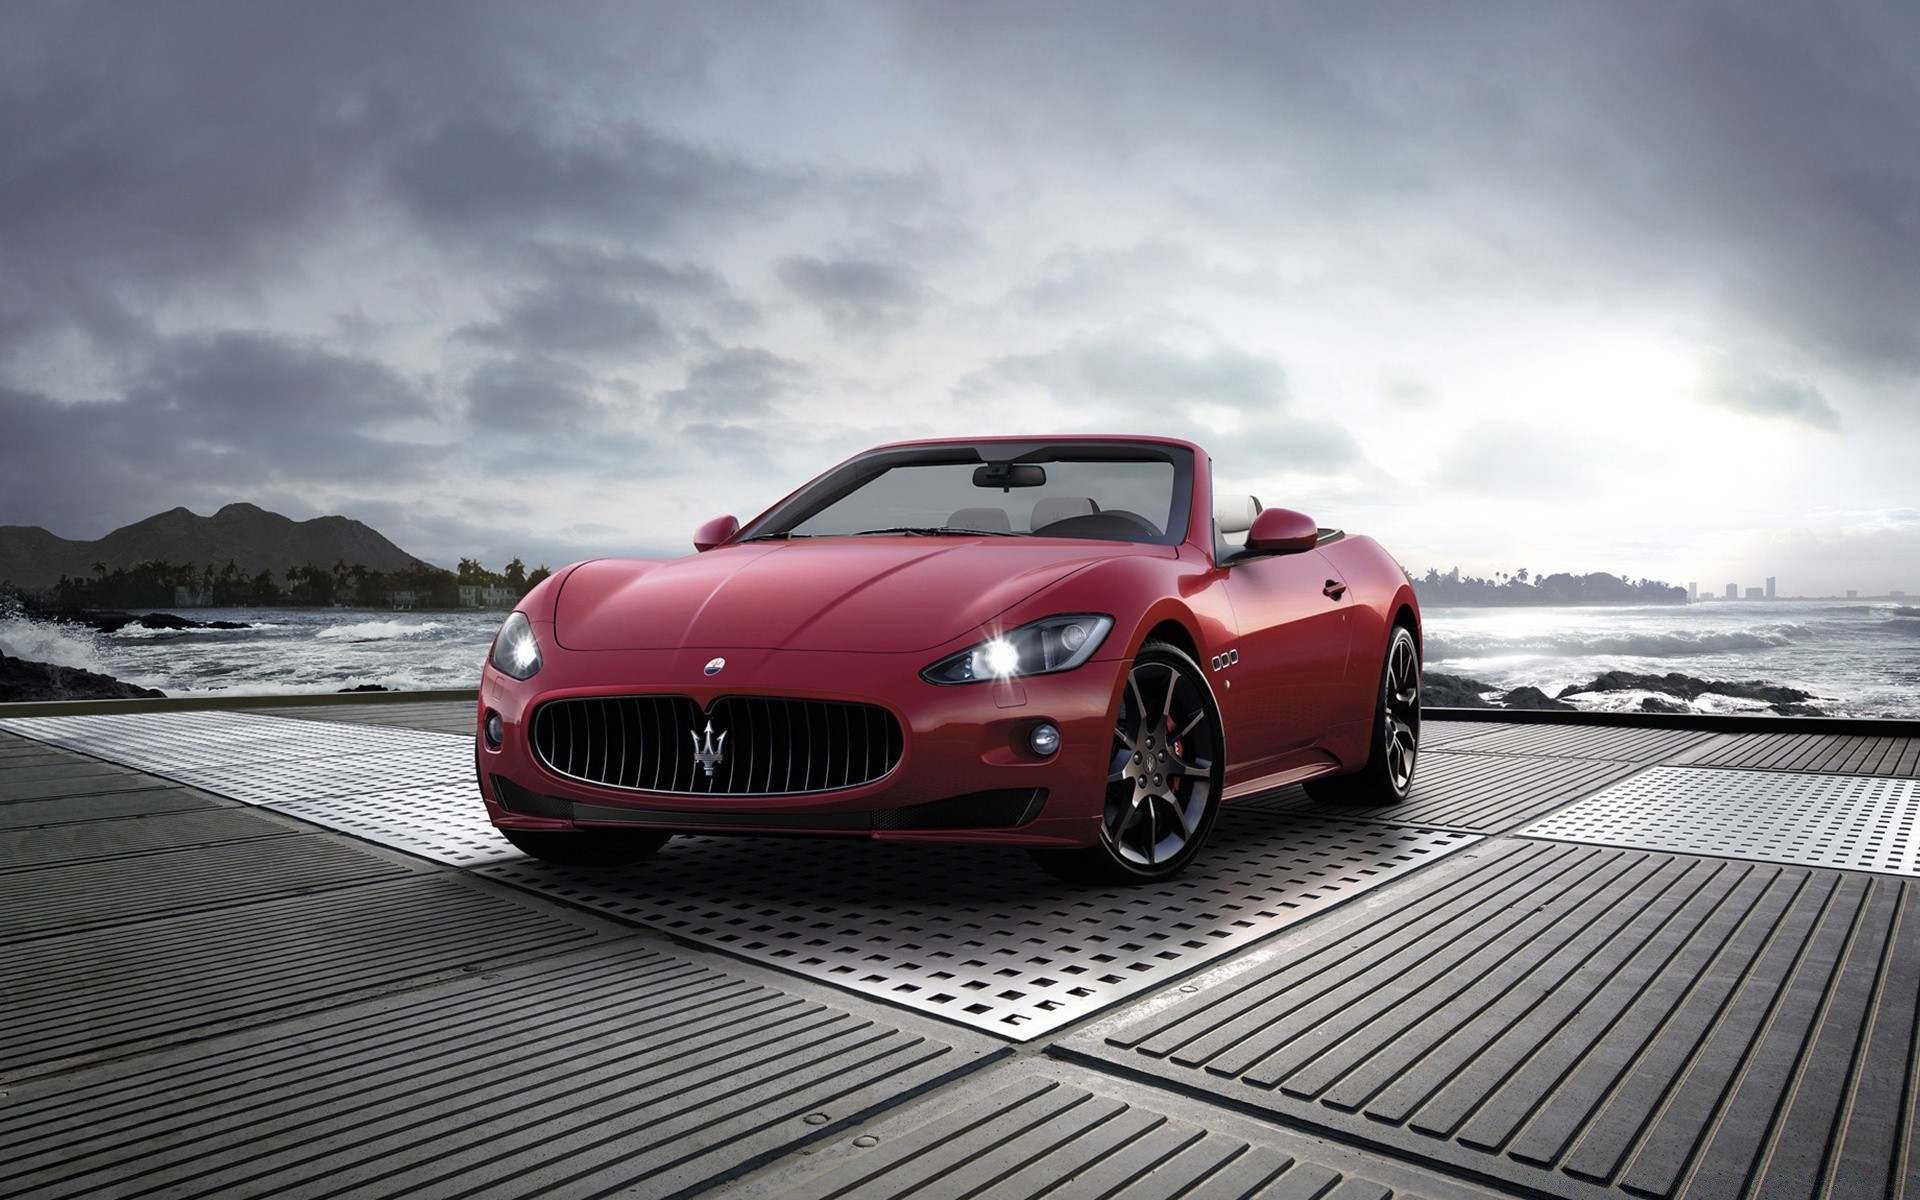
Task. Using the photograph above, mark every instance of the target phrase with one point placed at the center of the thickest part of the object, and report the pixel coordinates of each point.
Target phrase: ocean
(1858, 659)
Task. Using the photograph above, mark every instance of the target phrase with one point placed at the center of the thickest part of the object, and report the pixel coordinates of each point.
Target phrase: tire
(587, 848)
(1387, 777)
(1165, 773)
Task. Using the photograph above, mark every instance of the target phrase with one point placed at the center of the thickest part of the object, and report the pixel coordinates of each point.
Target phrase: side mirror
(715, 532)
(1282, 531)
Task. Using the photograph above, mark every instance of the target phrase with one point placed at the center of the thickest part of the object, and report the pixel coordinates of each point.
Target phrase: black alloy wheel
(1387, 777)
(587, 847)
(1165, 773)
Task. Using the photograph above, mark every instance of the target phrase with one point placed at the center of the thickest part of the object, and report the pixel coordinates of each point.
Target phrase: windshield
(1108, 499)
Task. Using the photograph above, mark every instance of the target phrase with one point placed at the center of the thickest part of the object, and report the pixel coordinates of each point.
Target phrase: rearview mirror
(1009, 475)
(715, 532)
(1282, 531)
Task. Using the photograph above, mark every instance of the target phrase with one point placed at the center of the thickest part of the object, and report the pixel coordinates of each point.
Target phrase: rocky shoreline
(1457, 691)
(21, 680)
(114, 622)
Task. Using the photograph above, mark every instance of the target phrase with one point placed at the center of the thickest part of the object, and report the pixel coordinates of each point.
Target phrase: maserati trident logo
(707, 752)
(713, 666)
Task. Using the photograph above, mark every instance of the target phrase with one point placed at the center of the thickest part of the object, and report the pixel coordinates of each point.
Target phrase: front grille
(772, 746)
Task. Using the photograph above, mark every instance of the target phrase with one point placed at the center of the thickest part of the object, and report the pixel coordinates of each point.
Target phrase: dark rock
(1687, 687)
(1452, 691)
(1798, 710)
(367, 687)
(22, 680)
(1534, 698)
(226, 625)
(1655, 704)
(158, 620)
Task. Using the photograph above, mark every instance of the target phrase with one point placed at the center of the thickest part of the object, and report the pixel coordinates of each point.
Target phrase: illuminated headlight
(515, 652)
(1036, 648)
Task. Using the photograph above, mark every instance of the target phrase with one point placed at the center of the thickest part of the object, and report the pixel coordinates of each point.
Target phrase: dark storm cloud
(501, 180)
(856, 294)
(1767, 156)
(531, 393)
(1745, 388)
(153, 150)
(582, 300)
(567, 320)
(1147, 380)
(737, 381)
(212, 418)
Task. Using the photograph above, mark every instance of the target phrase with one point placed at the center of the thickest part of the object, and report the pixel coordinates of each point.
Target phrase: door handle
(1334, 589)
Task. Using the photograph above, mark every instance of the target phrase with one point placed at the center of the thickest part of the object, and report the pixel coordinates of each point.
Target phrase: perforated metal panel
(412, 790)
(444, 822)
(977, 935)
(1861, 822)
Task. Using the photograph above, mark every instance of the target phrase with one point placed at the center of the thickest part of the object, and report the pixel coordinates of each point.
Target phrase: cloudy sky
(1610, 286)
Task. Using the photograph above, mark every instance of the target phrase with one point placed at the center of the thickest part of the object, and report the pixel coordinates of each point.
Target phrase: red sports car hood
(885, 594)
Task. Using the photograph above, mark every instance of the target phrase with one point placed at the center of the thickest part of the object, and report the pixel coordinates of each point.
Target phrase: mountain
(251, 536)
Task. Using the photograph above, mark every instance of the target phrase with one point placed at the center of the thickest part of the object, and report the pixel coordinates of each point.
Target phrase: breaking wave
(1675, 644)
(47, 642)
(376, 631)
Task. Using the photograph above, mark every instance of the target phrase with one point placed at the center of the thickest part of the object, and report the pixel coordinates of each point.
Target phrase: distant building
(192, 597)
(1756, 593)
(1693, 591)
(401, 599)
(1733, 591)
(1770, 587)
(1897, 594)
(1853, 594)
(473, 595)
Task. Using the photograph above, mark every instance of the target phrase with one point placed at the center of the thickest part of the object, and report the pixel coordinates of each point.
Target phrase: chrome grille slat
(774, 745)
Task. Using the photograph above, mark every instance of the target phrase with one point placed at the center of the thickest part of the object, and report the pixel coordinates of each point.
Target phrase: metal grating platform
(605, 1070)
(1856, 822)
(1624, 743)
(974, 935)
(189, 975)
(31, 814)
(115, 891)
(404, 788)
(1581, 1021)
(458, 717)
(1844, 754)
(979, 935)
(165, 831)
(1481, 793)
(1437, 734)
(1051, 1130)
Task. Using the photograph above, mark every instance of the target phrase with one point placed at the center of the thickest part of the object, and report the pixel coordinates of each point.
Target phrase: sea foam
(376, 631)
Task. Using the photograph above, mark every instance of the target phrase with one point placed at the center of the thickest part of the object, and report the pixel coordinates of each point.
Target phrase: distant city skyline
(1582, 287)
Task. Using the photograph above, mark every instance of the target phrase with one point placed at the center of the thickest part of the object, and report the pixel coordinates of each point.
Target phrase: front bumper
(964, 748)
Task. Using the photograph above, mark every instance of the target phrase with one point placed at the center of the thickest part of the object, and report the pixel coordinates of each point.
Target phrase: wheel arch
(1173, 632)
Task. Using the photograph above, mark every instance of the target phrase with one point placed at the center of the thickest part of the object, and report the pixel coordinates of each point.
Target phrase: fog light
(496, 730)
(1044, 740)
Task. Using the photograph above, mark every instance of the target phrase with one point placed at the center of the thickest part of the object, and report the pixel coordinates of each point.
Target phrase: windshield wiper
(771, 537)
(936, 530)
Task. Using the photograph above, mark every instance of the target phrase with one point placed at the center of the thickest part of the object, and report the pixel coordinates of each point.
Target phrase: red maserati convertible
(1066, 644)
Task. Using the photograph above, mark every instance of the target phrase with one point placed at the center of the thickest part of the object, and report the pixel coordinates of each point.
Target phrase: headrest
(1059, 508)
(1235, 514)
(989, 520)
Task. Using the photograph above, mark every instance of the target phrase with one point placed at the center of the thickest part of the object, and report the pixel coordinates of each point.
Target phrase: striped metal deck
(272, 953)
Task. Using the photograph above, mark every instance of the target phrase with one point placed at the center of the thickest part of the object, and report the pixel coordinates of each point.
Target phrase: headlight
(515, 652)
(1036, 648)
